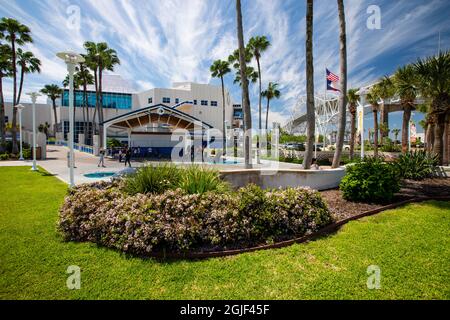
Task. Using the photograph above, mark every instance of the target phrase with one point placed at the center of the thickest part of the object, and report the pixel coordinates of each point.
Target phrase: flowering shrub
(178, 221)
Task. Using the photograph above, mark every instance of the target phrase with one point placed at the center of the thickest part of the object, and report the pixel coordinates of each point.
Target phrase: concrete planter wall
(315, 179)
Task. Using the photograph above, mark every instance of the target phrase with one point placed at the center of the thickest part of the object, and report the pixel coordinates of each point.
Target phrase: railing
(77, 146)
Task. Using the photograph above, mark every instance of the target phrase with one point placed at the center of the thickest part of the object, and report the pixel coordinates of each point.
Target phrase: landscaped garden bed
(172, 211)
(166, 210)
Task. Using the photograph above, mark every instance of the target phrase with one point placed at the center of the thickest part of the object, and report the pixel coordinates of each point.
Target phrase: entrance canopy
(159, 114)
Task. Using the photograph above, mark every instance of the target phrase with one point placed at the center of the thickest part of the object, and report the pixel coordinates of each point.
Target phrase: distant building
(146, 117)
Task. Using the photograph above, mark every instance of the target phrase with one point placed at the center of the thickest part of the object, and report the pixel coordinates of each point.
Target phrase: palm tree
(101, 58)
(218, 70)
(434, 83)
(258, 45)
(252, 76)
(5, 71)
(28, 64)
(86, 79)
(53, 92)
(310, 116)
(270, 93)
(353, 98)
(372, 97)
(16, 34)
(385, 90)
(396, 132)
(76, 86)
(245, 92)
(405, 81)
(342, 118)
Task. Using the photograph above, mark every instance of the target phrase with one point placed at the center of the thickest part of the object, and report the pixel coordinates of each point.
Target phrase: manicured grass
(411, 246)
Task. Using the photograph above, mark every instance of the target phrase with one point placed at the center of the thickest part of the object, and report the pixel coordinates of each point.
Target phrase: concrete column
(96, 144)
(81, 138)
(129, 138)
(59, 136)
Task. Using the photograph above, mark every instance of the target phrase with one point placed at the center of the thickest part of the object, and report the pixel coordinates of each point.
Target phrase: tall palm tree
(5, 71)
(257, 45)
(101, 58)
(396, 132)
(353, 98)
(372, 97)
(252, 76)
(28, 64)
(53, 92)
(76, 86)
(218, 70)
(15, 33)
(405, 81)
(385, 90)
(245, 92)
(270, 93)
(434, 83)
(310, 116)
(342, 117)
(85, 77)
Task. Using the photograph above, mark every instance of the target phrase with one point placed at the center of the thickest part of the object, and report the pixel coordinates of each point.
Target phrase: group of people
(123, 153)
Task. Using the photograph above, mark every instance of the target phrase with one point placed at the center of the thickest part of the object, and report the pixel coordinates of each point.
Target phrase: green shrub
(370, 180)
(27, 153)
(196, 179)
(416, 165)
(177, 221)
(153, 179)
(4, 156)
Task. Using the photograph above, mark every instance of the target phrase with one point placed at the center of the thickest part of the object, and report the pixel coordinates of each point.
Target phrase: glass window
(166, 100)
(177, 100)
(150, 100)
(109, 100)
(204, 102)
(213, 103)
(195, 102)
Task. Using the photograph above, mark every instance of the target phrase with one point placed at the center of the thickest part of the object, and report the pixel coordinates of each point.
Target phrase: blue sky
(160, 42)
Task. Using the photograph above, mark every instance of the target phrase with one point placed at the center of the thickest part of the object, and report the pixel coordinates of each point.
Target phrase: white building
(147, 118)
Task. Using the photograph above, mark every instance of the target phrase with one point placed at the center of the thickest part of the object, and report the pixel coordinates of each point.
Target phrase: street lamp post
(34, 96)
(20, 108)
(71, 59)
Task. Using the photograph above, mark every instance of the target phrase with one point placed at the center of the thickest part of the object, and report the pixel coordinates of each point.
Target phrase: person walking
(128, 156)
(102, 158)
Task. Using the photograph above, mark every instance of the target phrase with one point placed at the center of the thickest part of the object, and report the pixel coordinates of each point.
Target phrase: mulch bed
(343, 209)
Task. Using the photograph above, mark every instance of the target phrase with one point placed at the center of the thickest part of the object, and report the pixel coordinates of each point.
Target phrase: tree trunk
(342, 118)
(260, 111)
(375, 133)
(245, 93)
(405, 128)
(100, 110)
(267, 114)
(15, 148)
(22, 75)
(447, 141)
(352, 134)
(2, 113)
(430, 137)
(55, 114)
(87, 124)
(438, 147)
(223, 118)
(310, 116)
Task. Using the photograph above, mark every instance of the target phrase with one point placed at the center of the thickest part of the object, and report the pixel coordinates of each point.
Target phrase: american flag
(331, 80)
(331, 76)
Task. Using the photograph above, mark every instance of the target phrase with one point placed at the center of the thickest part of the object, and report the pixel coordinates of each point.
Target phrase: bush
(4, 156)
(195, 179)
(153, 179)
(416, 165)
(370, 180)
(157, 179)
(176, 221)
(27, 153)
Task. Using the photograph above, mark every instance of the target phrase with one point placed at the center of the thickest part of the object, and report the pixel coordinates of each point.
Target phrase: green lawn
(411, 246)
